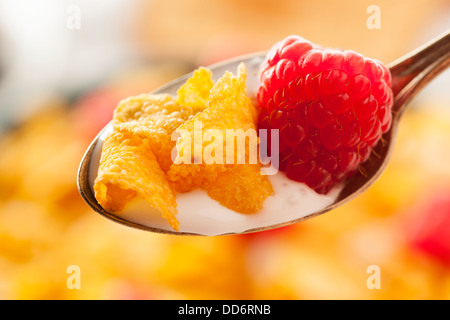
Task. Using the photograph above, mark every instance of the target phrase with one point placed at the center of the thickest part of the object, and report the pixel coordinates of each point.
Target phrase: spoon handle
(413, 71)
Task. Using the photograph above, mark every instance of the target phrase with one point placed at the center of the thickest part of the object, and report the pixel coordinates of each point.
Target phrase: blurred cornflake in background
(60, 82)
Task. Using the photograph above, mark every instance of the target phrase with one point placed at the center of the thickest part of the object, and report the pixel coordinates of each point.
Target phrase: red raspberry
(330, 107)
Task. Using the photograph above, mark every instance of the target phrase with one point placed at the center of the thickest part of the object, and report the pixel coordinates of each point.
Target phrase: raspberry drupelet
(330, 107)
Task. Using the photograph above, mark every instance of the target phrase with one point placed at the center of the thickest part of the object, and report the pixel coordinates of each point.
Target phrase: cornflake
(152, 133)
(128, 168)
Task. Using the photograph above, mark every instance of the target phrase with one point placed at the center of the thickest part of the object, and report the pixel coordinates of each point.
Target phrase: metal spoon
(410, 74)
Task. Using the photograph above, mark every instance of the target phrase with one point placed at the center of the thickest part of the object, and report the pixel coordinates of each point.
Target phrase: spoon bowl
(410, 74)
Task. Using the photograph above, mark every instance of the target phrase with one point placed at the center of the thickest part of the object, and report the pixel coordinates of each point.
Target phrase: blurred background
(64, 65)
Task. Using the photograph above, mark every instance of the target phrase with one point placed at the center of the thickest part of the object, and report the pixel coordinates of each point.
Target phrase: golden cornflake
(151, 129)
(195, 92)
(242, 188)
(228, 108)
(155, 117)
(128, 168)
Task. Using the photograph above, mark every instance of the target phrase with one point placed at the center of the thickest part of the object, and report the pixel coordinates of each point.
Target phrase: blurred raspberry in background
(428, 226)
